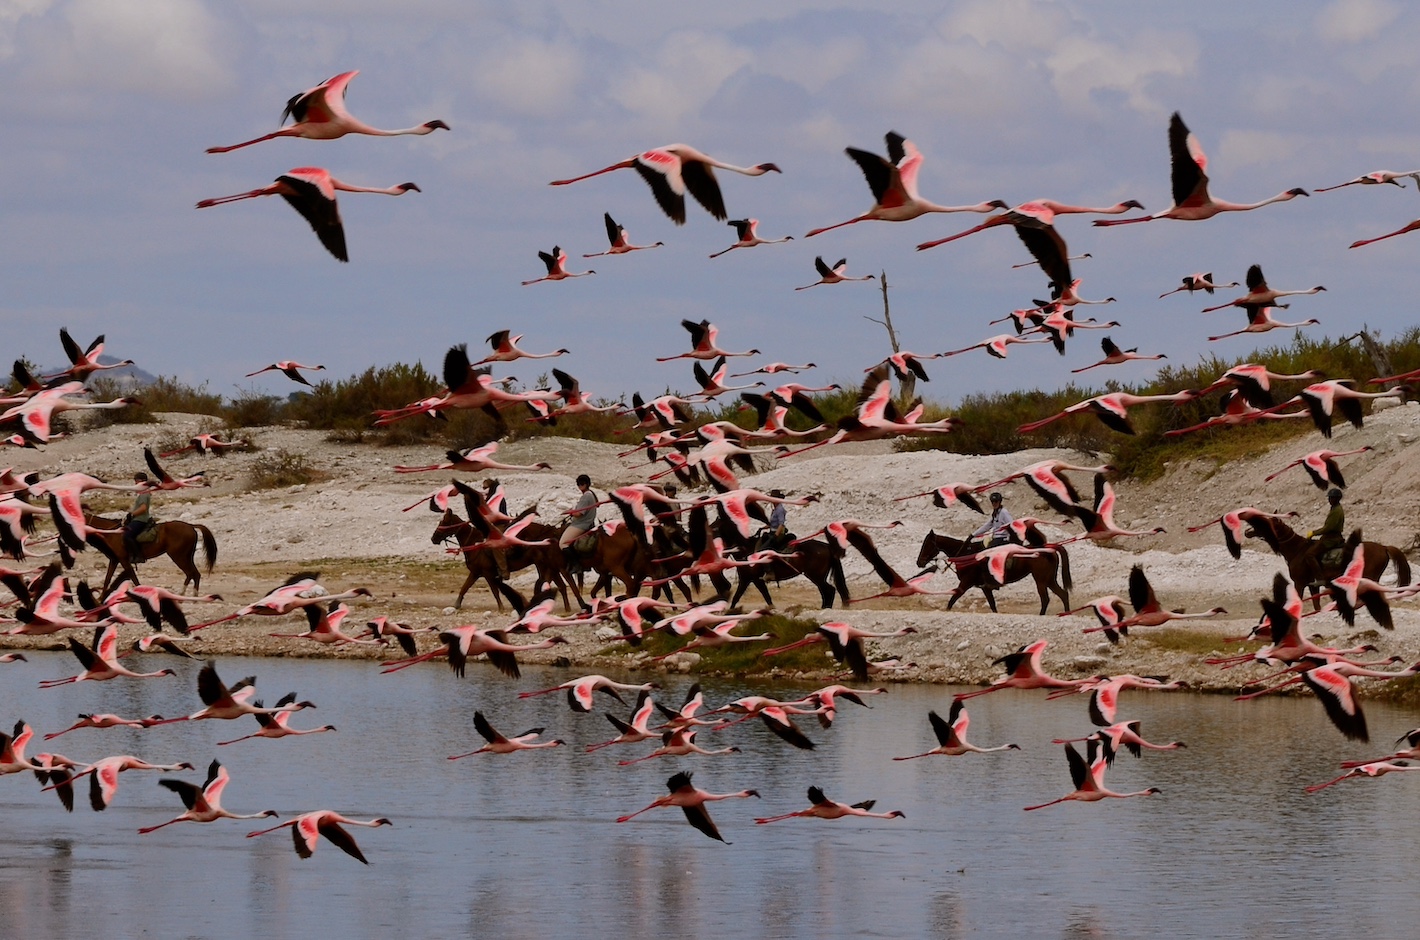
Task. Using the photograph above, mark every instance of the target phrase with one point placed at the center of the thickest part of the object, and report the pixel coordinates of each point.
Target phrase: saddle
(1332, 558)
(586, 544)
(148, 535)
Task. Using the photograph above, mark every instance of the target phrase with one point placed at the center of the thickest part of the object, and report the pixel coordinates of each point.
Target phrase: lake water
(526, 845)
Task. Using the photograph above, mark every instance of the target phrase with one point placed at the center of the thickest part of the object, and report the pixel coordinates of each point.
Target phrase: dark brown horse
(1043, 568)
(1305, 566)
(620, 555)
(176, 539)
(547, 559)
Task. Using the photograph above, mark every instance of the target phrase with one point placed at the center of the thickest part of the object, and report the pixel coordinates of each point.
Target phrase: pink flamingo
(1259, 320)
(828, 696)
(1236, 411)
(324, 626)
(672, 170)
(834, 275)
(616, 234)
(1375, 178)
(12, 749)
(1087, 773)
(1370, 769)
(824, 808)
(748, 237)
(777, 716)
(498, 744)
(712, 383)
(1126, 734)
(1114, 356)
(1048, 478)
(556, 267)
(165, 480)
(1109, 610)
(580, 691)
(475, 460)
(1400, 231)
(1112, 409)
(1352, 589)
(996, 346)
(204, 803)
(463, 643)
(897, 585)
(692, 800)
(893, 181)
(84, 362)
(1321, 466)
(275, 725)
(951, 735)
(222, 703)
(1255, 382)
(319, 114)
(100, 661)
(845, 643)
(634, 731)
(1024, 671)
(679, 742)
(1104, 694)
(43, 617)
(307, 828)
(1191, 202)
(948, 493)
(36, 414)
(505, 348)
(776, 367)
(1338, 395)
(103, 776)
(1412, 752)
(703, 338)
(468, 388)
(1234, 525)
(1038, 215)
(1148, 612)
(105, 720)
(1059, 325)
(311, 191)
(1259, 294)
(290, 368)
(206, 444)
(1197, 282)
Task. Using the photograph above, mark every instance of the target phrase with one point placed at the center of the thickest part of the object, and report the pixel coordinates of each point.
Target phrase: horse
(1305, 566)
(820, 562)
(1044, 568)
(176, 539)
(547, 559)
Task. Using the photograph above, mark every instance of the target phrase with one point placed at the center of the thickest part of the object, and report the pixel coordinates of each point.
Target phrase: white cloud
(1355, 20)
(686, 71)
(167, 48)
(530, 76)
(11, 12)
(1081, 66)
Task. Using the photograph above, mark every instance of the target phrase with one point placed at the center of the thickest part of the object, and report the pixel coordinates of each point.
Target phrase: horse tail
(209, 546)
(1065, 569)
(839, 581)
(1402, 565)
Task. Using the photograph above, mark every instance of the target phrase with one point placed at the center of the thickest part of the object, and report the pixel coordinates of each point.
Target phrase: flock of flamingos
(710, 453)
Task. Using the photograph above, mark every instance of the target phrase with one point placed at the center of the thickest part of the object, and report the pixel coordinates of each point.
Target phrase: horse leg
(468, 583)
(188, 568)
(108, 577)
(990, 597)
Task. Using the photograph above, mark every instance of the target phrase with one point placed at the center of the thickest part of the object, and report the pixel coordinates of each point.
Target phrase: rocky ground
(351, 525)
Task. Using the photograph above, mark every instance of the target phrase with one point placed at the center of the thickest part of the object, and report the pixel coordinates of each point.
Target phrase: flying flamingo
(1087, 773)
(475, 460)
(1259, 294)
(897, 585)
(1255, 382)
(1411, 737)
(556, 267)
(319, 114)
(324, 626)
(1191, 202)
(1400, 231)
(12, 749)
(703, 337)
(307, 828)
(996, 346)
(1197, 282)
(103, 776)
(311, 191)
(1125, 733)
(997, 557)
(906, 363)
(1352, 589)
(43, 617)
(1059, 325)
(685, 795)
(290, 368)
(845, 643)
(204, 803)
(1321, 466)
(580, 691)
(828, 696)
(679, 742)
(1048, 478)
(498, 744)
(894, 184)
(469, 387)
(35, 415)
(672, 170)
(1259, 320)
(105, 720)
(1370, 769)
(834, 275)
(100, 661)
(1337, 395)
(634, 731)
(505, 349)
(1234, 524)
(220, 702)
(206, 444)
(1112, 409)
(58, 770)
(948, 493)
(1104, 695)
(616, 234)
(1148, 612)
(777, 716)
(1023, 671)
(274, 725)
(1114, 356)
(1376, 178)
(1036, 216)
(1403, 377)
(775, 367)
(166, 481)
(1109, 610)
(460, 644)
(748, 237)
(83, 362)
(824, 808)
(951, 735)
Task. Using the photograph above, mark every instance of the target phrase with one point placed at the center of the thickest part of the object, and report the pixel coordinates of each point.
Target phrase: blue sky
(109, 104)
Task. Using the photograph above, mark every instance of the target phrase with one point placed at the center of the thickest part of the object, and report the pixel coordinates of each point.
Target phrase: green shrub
(280, 468)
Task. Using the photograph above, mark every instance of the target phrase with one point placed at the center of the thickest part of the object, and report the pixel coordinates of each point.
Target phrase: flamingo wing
(314, 199)
(878, 172)
(1188, 165)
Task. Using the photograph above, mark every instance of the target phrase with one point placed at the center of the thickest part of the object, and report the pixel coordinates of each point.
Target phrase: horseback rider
(581, 519)
(139, 518)
(775, 535)
(997, 528)
(1332, 534)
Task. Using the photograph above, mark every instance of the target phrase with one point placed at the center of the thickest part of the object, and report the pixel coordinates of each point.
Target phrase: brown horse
(176, 539)
(547, 559)
(620, 555)
(1043, 568)
(1305, 566)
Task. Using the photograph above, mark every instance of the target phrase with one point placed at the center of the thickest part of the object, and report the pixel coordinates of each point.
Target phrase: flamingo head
(271, 812)
(382, 821)
(436, 126)
(1298, 192)
(1133, 204)
(998, 204)
(406, 187)
(768, 168)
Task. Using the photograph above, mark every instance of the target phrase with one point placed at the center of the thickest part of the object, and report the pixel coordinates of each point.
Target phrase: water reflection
(525, 845)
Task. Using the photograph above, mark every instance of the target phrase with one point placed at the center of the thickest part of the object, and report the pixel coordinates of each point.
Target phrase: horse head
(450, 527)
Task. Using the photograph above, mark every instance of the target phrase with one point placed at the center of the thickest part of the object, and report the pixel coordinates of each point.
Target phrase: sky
(108, 106)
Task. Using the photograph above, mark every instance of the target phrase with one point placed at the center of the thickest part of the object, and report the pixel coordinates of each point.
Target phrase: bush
(251, 409)
(282, 468)
(165, 393)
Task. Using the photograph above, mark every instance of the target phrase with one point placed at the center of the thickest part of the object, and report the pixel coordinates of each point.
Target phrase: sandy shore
(351, 527)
